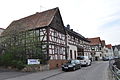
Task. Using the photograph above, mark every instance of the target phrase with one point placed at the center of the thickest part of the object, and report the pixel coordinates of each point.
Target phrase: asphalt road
(5, 74)
(97, 71)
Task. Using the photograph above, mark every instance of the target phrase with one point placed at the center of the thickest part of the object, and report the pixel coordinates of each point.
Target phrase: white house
(116, 50)
(109, 51)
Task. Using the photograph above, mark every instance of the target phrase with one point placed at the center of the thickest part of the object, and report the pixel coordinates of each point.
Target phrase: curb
(39, 75)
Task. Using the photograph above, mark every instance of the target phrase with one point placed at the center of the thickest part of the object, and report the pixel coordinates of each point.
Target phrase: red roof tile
(108, 46)
(2, 28)
(95, 41)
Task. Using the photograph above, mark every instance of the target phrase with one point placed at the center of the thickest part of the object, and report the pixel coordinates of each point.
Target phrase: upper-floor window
(93, 48)
(74, 38)
(55, 33)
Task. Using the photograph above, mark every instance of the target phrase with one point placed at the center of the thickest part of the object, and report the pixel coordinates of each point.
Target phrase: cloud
(90, 18)
(111, 34)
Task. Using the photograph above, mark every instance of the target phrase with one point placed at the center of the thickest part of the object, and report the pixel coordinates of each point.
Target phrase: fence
(114, 70)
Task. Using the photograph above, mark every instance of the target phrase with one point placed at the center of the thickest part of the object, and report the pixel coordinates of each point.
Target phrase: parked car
(105, 58)
(84, 60)
(71, 65)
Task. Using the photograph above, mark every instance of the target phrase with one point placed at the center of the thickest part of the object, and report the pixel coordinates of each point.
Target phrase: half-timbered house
(44, 29)
(96, 48)
(77, 45)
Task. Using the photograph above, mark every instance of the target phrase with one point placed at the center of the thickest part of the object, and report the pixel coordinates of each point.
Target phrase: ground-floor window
(75, 54)
(70, 54)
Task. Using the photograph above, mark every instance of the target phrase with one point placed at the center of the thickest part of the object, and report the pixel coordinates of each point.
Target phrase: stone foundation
(34, 68)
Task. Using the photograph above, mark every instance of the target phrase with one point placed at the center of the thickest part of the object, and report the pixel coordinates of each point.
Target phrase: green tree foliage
(19, 47)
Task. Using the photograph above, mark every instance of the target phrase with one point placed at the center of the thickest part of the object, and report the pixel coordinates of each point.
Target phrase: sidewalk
(39, 75)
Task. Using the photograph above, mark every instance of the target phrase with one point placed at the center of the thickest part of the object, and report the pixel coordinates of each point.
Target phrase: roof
(73, 33)
(2, 28)
(108, 46)
(113, 47)
(95, 41)
(117, 46)
(103, 43)
(34, 21)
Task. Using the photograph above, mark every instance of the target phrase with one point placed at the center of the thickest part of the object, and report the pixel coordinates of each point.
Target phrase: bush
(9, 60)
(6, 59)
(20, 65)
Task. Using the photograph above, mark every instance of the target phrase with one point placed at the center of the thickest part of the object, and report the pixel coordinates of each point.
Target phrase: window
(75, 54)
(100, 55)
(70, 54)
(61, 50)
(56, 49)
(37, 32)
(55, 33)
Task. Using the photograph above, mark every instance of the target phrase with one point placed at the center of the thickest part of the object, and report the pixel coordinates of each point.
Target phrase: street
(11, 74)
(97, 71)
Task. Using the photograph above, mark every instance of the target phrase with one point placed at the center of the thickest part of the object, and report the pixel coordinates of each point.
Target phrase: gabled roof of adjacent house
(116, 46)
(73, 33)
(108, 46)
(34, 21)
(2, 28)
(95, 41)
(113, 48)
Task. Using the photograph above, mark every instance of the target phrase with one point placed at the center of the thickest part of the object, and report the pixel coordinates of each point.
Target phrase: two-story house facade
(44, 31)
(96, 48)
(109, 51)
(116, 50)
(77, 45)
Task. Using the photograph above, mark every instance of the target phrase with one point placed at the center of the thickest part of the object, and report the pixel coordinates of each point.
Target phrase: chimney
(71, 29)
(37, 12)
(68, 26)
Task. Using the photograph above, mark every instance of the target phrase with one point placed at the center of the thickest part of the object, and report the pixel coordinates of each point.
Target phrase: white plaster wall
(98, 54)
(109, 52)
(119, 53)
(87, 54)
(73, 48)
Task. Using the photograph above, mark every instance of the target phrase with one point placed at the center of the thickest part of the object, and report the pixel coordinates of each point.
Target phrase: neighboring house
(104, 49)
(77, 45)
(1, 30)
(48, 28)
(109, 51)
(116, 50)
(96, 48)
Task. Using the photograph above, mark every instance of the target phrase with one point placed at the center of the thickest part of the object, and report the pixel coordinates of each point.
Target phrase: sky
(90, 18)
